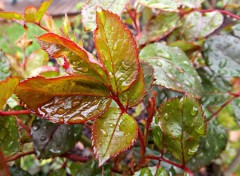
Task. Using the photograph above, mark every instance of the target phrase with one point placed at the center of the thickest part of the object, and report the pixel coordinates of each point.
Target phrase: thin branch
(19, 155)
(20, 112)
(75, 157)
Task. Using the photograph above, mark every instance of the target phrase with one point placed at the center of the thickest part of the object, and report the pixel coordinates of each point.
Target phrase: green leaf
(7, 88)
(89, 169)
(148, 72)
(37, 91)
(151, 171)
(4, 66)
(135, 94)
(199, 25)
(159, 26)
(157, 135)
(58, 172)
(73, 109)
(117, 50)
(79, 59)
(222, 53)
(113, 132)
(51, 139)
(211, 146)
(89, 11)
(11, 16)
(170, 5)
(42, 10)
(17, 171)
(9, 135)
(182, 123)
(172, 68)
(236, 108)
(236, 30)
(3, 166)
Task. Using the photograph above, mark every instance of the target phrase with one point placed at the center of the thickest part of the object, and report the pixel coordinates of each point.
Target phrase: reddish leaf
(37, 91)
(81, 62)
(113, 133)
(7, 88)
(3, 166)
(30, 14)
(117, 50)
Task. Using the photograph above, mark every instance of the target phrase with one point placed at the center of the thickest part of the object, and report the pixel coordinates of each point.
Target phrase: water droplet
(76, 119)
(179, 85)
(164, 55)
(43, 138)
(200, 130)
(75, 103)
(115, 46)
(158, 63)
(188, 83)
(35, 128)
(61, 111)
(221, 136)
(125, 65)
(111, 125)
(59, 102)
(194, 111)
(105, 134)
(54, 150)
(222, 63)
(83, 69)
(192, 151)
(53, 113)
(166, 116)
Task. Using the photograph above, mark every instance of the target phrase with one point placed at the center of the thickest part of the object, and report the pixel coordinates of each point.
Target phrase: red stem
(18, 155)
(20, 112)
(160, 158)
(25, 127)
(142, 146)
(42, 27)
(75, 157)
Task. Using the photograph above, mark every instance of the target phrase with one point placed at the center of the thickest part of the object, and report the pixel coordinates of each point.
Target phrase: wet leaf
(3, 166)
(148, 72)
(199, 25)
(222, 54)
(17, 171)
(157, 135)
(236, 30)
(4, 66)
(236, 108)
(79, 59)
(159, 26)
(51, 139)
(9, 135)
(182, 123)
(172, 68)
(7, 88)
(37, 91)
(117, 51)
(58, 172)
(211, 146)
(73, 109)
(135, 94)
(151, 171)
(170, 5)
(89, 10)
(113, 132)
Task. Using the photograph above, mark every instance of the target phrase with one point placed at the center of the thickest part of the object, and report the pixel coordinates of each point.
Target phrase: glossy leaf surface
(4, 66)
(117, 50)
(7, 88)
(80, 61)
(182, 123)
(9, 135)
(236, 108)
(211, 146)
(170, 5)
(172, 68)
(53, 139)
(198, 25)
(151, 171)
(89, 10)
(73, 109)
(159, 26)
(222, 53)
(3, 166)
(113, 133)
(37, 91)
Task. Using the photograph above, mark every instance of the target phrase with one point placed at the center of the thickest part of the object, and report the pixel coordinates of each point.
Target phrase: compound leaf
(51, 140)
(80, 60)
(113, 132)
(89, 10)
(223, 55)
(7, 88)
(117, 50)
(198, 25)
(9, 135)
(172, 68)
(182, 123)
